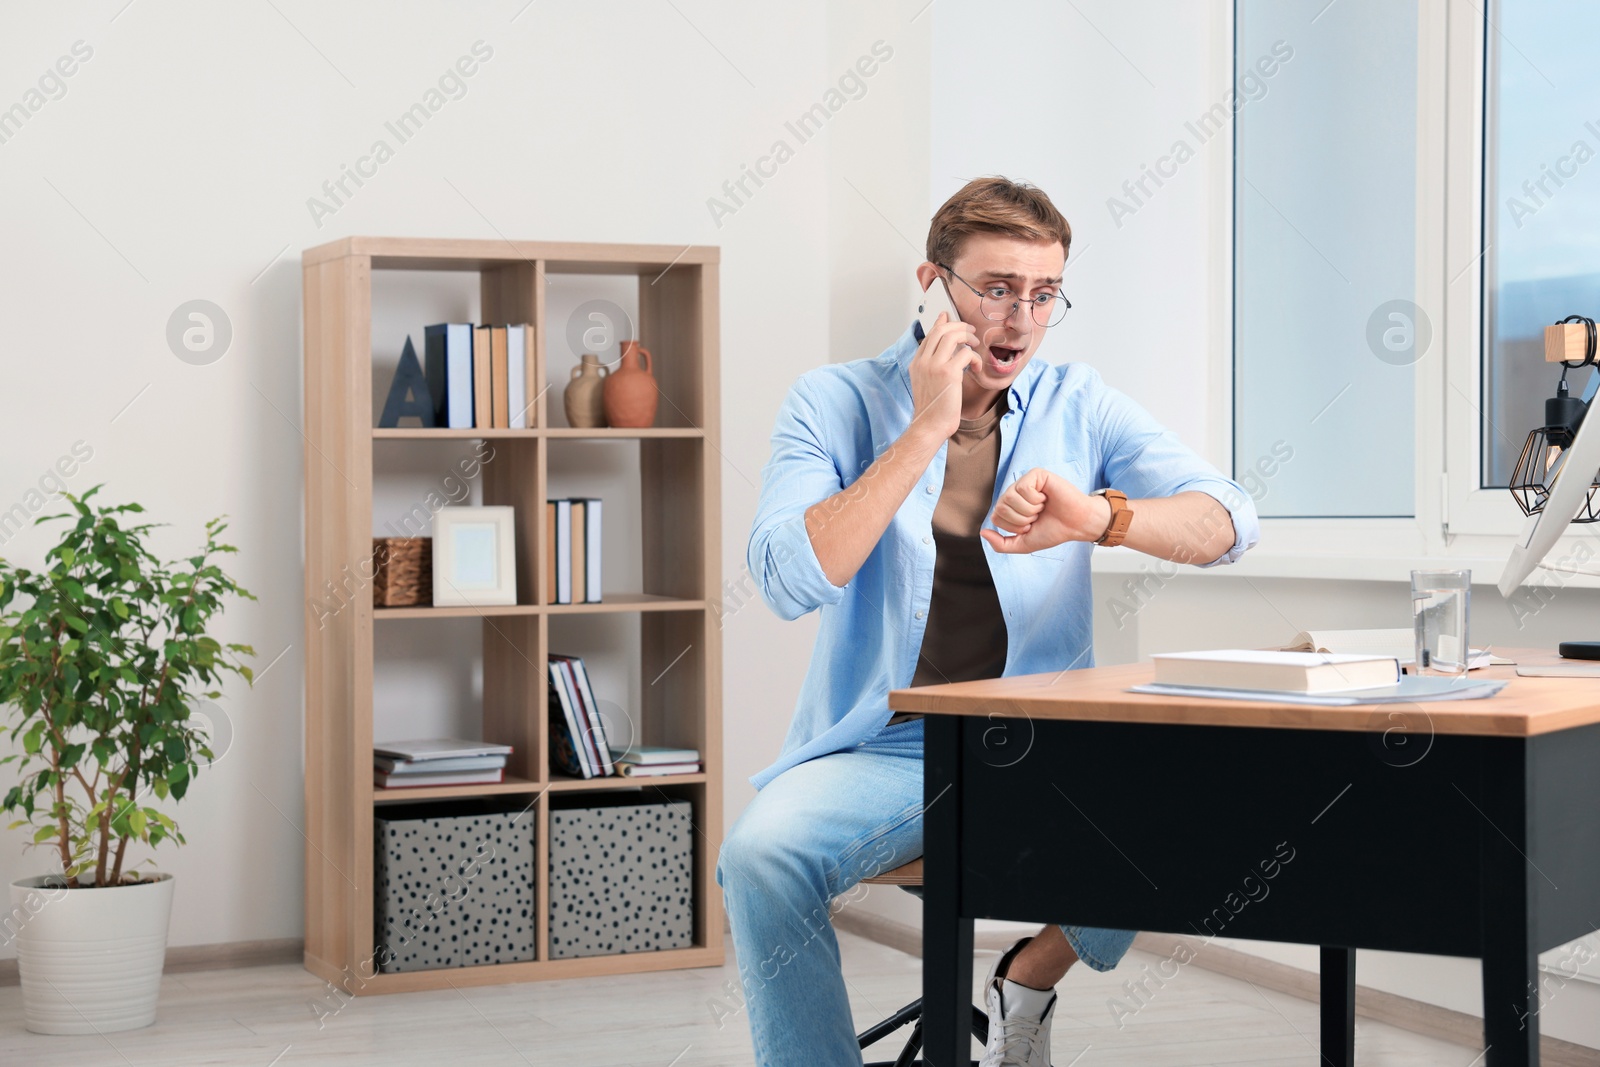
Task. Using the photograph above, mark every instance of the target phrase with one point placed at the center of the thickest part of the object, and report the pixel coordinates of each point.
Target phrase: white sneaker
(1016, 1039)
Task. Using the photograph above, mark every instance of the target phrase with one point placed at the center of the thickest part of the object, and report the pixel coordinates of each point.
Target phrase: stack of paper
(437, 761)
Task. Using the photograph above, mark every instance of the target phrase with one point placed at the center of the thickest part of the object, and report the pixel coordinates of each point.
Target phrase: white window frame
(1455, 523)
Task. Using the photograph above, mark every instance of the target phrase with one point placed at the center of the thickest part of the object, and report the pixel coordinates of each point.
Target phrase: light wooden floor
(261, 1017)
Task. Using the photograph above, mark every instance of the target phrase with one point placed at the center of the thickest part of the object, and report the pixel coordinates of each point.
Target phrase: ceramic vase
(90, 959)
(583, 398)
(630, 390)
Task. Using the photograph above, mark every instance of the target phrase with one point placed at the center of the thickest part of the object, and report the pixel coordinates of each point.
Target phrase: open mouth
(1003, 358)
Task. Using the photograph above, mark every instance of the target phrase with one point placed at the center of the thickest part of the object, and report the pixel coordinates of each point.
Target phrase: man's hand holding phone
(937, 371)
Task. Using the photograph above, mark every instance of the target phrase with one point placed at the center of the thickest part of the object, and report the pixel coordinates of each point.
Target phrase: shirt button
(927, 540)
(920, 614)
(929, 488)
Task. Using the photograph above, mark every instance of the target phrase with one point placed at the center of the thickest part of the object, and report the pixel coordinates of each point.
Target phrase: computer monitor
(1573, 474)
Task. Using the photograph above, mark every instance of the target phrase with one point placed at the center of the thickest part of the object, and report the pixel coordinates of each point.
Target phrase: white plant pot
(90, 959)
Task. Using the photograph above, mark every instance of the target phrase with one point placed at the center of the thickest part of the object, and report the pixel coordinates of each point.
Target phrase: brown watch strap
(1121, 518)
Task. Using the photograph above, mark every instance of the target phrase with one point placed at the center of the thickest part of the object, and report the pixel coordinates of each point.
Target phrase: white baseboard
(1417, 1016)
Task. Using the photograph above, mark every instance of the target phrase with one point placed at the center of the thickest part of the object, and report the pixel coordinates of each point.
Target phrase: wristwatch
(1121, 517)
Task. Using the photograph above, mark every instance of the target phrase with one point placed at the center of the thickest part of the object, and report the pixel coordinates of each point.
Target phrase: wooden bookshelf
(679, 510)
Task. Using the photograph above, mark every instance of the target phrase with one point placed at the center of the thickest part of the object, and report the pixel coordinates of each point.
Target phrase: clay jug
(582, 399)
(630, 390)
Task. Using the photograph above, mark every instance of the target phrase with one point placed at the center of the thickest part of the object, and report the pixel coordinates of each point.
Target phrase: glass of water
(1439, 601)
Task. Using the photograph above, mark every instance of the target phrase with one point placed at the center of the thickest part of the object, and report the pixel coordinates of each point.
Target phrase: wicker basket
(404, 572)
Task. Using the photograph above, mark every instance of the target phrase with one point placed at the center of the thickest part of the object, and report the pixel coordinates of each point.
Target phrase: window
(1541, 209)
(1326, 329)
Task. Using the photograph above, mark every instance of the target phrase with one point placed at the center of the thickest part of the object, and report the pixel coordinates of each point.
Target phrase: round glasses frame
(999, 303)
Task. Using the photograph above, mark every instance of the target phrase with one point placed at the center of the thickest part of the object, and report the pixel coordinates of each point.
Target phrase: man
(873, 509)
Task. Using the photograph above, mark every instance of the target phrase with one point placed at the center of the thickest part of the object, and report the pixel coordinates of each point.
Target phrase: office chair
(909, 877)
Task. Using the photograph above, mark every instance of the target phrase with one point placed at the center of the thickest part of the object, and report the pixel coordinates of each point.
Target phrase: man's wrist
(1100, 522)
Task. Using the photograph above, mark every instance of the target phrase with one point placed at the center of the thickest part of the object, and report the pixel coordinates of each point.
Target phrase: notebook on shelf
(655, 770)
(431, 748)
(438, 766)
(420, 780)
(646, 754)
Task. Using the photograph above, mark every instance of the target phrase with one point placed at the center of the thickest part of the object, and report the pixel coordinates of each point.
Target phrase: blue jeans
(815, 831)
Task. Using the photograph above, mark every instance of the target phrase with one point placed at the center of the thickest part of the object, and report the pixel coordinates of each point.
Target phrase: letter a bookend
(409, 394)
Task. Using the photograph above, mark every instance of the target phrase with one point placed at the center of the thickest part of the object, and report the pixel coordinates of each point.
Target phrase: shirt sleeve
(1144, 459)
(801, 472)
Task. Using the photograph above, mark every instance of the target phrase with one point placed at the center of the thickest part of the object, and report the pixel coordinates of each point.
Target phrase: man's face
(1027, 268)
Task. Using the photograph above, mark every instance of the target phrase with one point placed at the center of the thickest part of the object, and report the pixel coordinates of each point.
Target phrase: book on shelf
(655, 770)
(447, 364)
(519, 342)
(659, 754)
(432, 748)
(578, 745)
(575, 538)
(558, 519)
(436, 766)
(386, 780)
(572, 561)
(437, 761)
(568, 753)
(478, 375)
(1291, 672)
(499, 379)
(591, 549)
(595, 728)
(482, 377)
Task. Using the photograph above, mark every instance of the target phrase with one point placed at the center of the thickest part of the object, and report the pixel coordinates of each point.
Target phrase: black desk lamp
(1570, 342)
(1541, 456)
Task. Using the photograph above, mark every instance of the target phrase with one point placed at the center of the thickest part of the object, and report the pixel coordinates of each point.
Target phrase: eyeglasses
(999, 303)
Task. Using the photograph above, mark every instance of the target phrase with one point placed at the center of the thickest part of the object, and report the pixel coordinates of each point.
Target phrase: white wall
(178, 165)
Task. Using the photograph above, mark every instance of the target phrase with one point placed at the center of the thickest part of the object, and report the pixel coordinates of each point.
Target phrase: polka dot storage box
(621, 875)
(454, 885)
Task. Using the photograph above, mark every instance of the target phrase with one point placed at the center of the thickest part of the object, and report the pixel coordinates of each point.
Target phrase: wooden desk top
(1524, 708)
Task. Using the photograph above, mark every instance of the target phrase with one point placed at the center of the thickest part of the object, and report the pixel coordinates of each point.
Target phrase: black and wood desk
(1467, 828)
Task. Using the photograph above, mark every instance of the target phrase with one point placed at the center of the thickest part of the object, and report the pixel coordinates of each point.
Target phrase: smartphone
(935, 299)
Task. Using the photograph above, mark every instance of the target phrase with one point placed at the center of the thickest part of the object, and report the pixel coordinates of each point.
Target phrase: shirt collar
(906, 347)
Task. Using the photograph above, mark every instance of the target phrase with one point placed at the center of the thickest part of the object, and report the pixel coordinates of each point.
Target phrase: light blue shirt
(833, 425)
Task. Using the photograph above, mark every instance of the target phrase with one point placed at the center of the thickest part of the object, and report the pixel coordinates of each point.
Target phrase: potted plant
(103, 654)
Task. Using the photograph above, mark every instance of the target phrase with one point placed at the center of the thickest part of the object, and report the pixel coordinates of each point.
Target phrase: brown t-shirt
(966, 634)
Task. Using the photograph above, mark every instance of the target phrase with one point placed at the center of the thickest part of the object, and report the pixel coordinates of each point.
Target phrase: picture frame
(474, 556)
